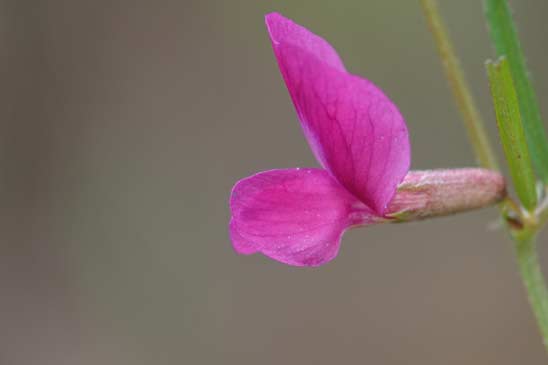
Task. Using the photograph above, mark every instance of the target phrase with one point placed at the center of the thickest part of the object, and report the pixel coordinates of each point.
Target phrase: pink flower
(297, 216)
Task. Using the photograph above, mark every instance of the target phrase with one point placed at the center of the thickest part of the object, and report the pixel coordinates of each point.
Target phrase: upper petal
(285, 31)
(295, 216)
(353, 128)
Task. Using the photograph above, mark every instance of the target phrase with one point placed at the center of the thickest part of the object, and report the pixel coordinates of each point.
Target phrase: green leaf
(511, 131)
(506, 42)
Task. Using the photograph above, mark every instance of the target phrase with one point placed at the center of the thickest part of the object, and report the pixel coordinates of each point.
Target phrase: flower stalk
(461, 91)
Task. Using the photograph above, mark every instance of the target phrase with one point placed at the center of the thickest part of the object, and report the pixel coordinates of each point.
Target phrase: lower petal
(295, 216)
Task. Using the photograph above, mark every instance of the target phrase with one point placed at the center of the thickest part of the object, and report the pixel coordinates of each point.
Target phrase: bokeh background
(125, 125)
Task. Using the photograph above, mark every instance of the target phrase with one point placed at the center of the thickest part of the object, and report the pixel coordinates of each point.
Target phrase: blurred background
(125, 125)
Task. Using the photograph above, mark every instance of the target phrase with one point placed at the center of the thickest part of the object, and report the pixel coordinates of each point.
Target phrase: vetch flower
(297, 216)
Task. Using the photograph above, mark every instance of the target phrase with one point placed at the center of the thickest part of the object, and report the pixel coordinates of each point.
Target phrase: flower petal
(295, 216)
(283, 30)
(354, 130)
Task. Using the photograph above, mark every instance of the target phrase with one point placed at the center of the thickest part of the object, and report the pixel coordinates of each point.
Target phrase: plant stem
(531, 275)
(472, 119)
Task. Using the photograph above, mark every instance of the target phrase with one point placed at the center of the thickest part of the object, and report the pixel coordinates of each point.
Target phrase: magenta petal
(295, 216)
(285, 31)
(354, 130)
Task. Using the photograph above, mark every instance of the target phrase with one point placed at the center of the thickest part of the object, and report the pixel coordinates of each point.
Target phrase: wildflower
(297, 216)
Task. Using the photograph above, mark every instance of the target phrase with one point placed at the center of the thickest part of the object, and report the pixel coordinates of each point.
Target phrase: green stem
(531, 275)
(472, 119)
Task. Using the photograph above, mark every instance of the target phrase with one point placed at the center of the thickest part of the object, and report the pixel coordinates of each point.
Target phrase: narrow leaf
(506, 42)
(511, 131)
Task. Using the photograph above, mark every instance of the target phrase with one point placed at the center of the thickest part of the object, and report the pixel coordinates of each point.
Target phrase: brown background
(129, 121)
